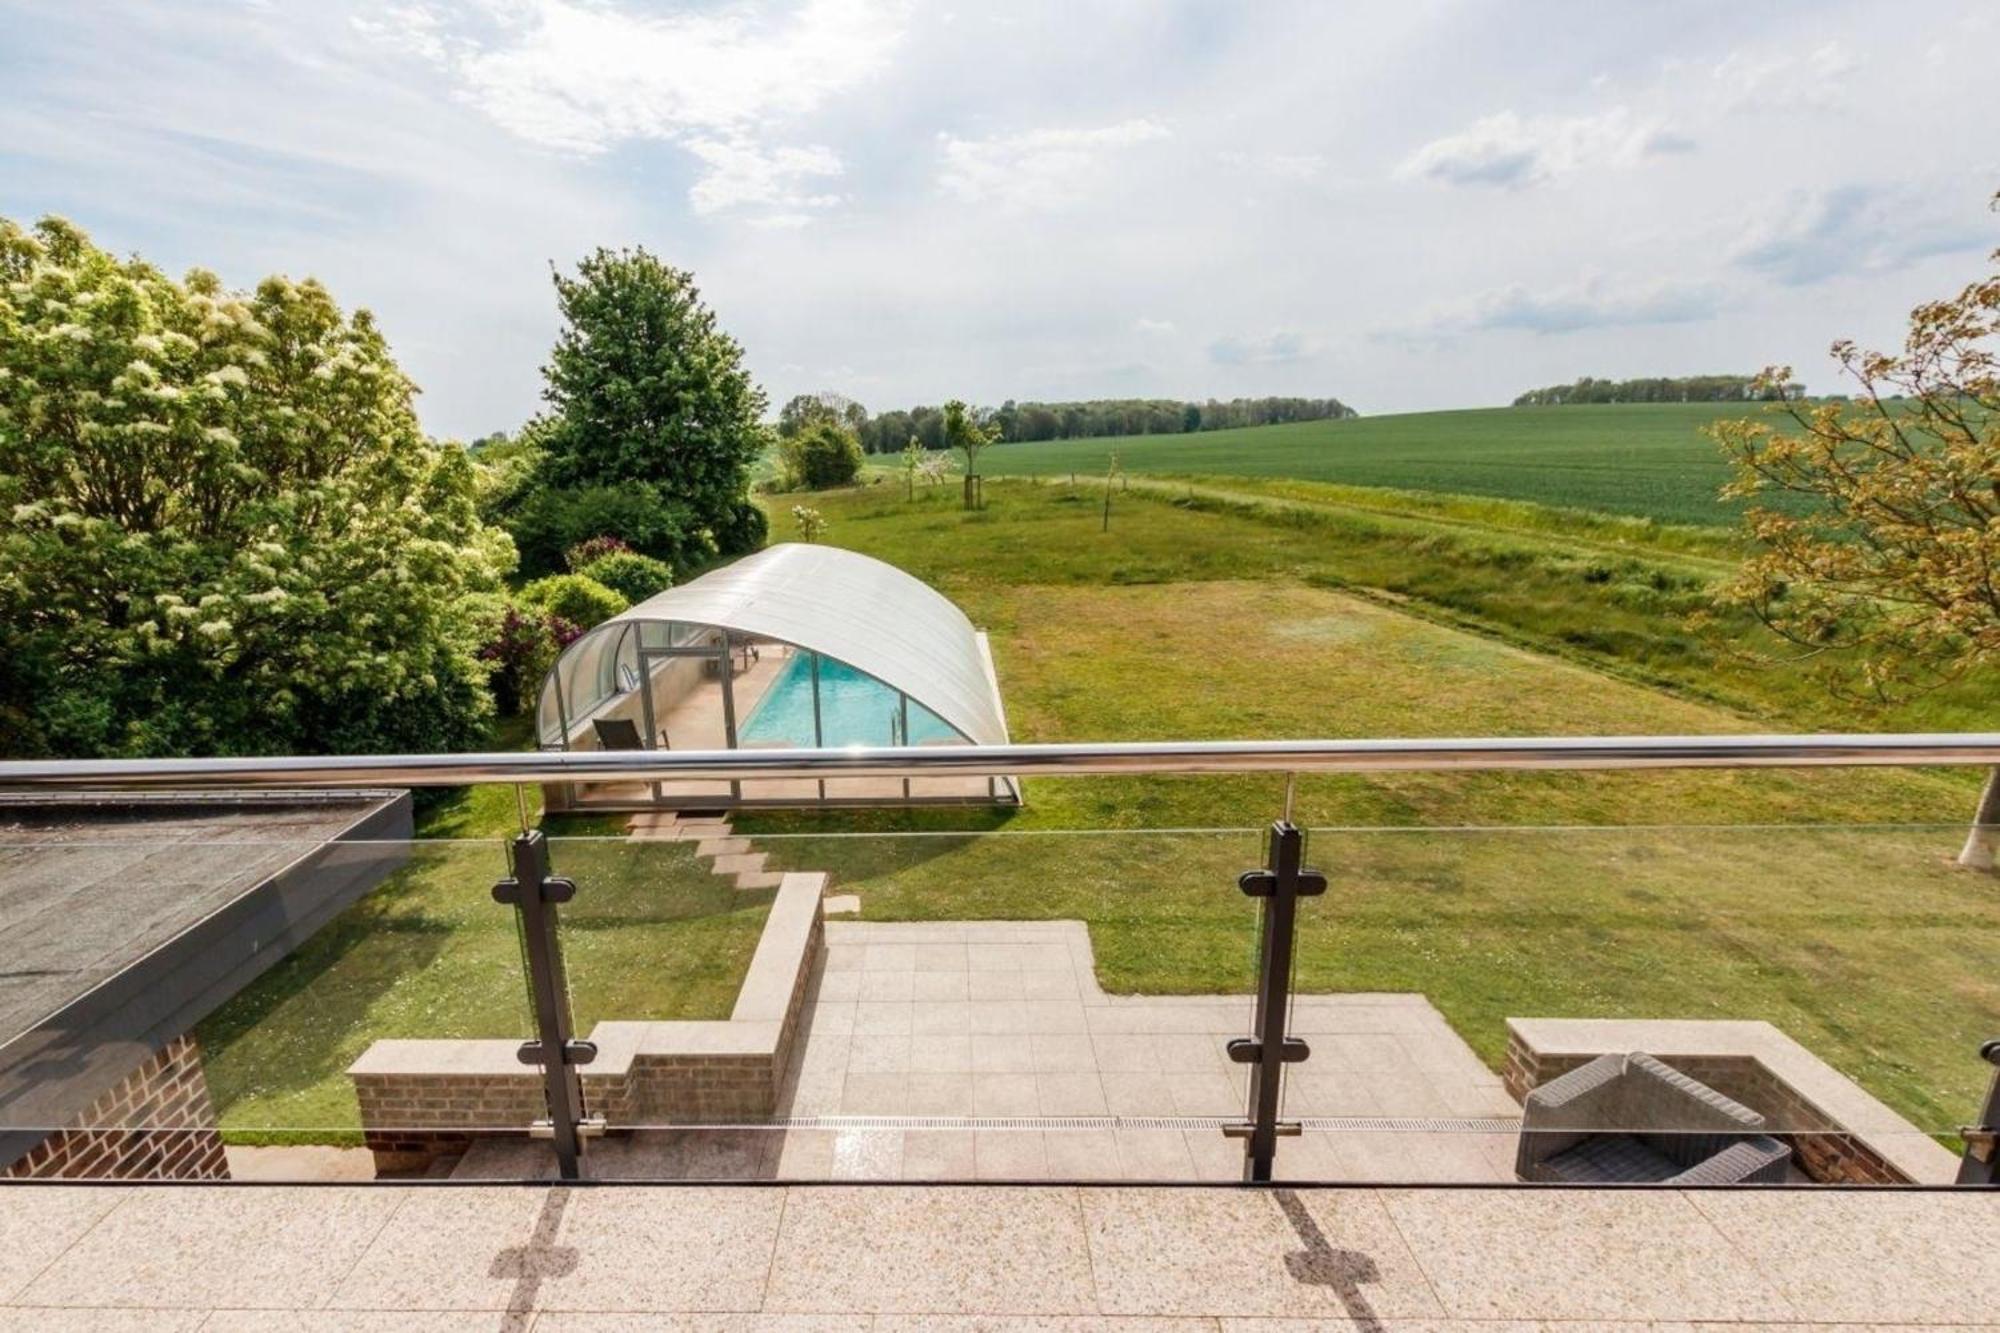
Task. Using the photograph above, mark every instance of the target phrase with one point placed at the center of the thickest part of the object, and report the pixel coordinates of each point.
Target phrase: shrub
(574, 597)
(743, 528)
(551, 520)
(591, 550)
(523, 648)
(632, 576)
(821, 455)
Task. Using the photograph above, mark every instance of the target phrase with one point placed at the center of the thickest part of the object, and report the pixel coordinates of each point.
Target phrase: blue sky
(1407, 206)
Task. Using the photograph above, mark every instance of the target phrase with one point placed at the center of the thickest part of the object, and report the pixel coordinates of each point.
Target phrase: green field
(1647, 459)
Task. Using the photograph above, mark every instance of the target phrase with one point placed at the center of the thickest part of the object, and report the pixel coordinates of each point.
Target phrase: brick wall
(156, 1123)
(1822, 1149)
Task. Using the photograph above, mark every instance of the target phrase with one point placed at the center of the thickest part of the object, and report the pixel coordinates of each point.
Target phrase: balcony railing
(1271, 1000)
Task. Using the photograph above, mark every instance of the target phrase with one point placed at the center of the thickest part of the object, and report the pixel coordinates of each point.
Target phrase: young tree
(227, 533)
(645, 391)
(809, 521)
(1885, 571)
(822, 455)
(913, 464)
(965, 432)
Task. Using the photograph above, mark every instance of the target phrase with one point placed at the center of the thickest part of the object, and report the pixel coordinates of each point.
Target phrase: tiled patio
(1009, 1259)
(999, 1036)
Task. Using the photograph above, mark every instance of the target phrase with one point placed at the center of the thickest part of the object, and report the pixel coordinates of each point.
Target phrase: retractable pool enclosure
(797, 646)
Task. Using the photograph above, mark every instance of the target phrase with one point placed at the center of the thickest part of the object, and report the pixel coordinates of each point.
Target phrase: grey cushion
(1609, 1158)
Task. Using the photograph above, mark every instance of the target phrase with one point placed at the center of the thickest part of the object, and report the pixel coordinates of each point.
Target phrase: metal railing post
(1281, 883)
(1981, 1165)
(535, 894)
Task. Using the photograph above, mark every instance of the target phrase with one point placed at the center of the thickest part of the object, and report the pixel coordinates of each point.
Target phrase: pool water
(854, 709)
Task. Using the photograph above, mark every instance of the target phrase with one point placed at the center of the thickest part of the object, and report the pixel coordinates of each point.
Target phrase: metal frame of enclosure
(876, 650)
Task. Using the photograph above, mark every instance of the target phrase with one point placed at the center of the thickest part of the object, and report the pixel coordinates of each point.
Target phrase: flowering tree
(965, 432)
(225, 531)
(809, 521)
(1885, 568)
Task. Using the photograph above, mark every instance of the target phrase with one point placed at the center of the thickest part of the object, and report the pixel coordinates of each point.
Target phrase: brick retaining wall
(156, 1123)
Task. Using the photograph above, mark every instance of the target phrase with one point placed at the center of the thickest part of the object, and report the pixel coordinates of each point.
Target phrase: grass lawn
(1644, 459)
(651, 935)
(1202, 618)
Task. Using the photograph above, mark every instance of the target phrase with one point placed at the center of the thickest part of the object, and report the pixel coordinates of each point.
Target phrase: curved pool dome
(794, 646)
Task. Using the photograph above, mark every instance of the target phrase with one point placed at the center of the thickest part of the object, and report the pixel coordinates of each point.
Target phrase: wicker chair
(1630, 1119)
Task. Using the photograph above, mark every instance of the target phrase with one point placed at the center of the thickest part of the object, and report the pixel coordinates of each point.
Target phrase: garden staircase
(714, 841)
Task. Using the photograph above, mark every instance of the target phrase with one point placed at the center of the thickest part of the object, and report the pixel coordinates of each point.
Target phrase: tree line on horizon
(890, 432)
(1662, 389)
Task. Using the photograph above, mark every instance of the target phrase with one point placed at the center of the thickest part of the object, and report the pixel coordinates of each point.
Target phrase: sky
(1408, 206)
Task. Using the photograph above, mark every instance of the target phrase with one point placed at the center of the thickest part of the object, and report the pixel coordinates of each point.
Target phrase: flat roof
(124, 921)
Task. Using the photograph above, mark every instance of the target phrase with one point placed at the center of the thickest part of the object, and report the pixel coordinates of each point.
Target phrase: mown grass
(1214, 616)
(1644, 459)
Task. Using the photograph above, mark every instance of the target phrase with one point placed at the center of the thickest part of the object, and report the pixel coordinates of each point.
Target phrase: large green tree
(648, 395)
(224, 530)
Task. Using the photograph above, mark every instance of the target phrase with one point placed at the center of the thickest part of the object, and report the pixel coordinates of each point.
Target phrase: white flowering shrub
(225, 532)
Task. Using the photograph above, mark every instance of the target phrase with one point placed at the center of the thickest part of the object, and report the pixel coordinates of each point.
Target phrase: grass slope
(1644, 459)
(1211, 619)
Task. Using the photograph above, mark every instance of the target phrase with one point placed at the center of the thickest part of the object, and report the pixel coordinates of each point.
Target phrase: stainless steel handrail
(1316, 756)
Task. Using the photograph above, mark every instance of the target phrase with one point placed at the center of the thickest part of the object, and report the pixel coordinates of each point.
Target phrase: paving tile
(1010, 1154)
(1206, 1094)
(941, 1016)
(867, 1154)
(1054, 1016)
(55, 1319)
(1879, 1256)
(1216, 1156)
(889, 958)
(939, 1154)
(925, 986)
(1138, 1094)
(1069, 1094)
(1153, 1154)
(576, 1321)
(839, 986)
(570, 1249)
(1080, 1154)
(940, 958)
(954, 1251)
(993, 986)
(940, 1053)
(874, 1094)
(364, 1321)
(1242, 1252)
(801, 1154)
(1125, 1053)
(250, 1248)
(1520, 1254)
(1044, 984)
(899, 987)
(1037, 1324)
(878, 1017)
(879, 1053)
(940, 1094)
(844, 958)
(1002, 1053)
(1063, 1053)
(41, 1221)
(831, 1018)
(1004, 1094)
(1180, 1052)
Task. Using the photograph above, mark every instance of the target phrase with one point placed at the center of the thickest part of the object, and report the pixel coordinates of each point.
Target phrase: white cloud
(1814, 235)
(1273, 349)
(739, 172)
(1036, 167)
(1785, 80)
(583, 77)
(1595, 303)
(1155, 327)
(1513, 151)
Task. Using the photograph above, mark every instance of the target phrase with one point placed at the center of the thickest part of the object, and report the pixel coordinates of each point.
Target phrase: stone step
(760, 879)
(739, 863)
(722, 847)
(654, 819)
(704, 828)
(842, 904)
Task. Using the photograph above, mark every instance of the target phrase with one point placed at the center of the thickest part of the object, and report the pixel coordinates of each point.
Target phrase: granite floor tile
(49, 1221)
(926, 986)
(240, 1248)
(953, 1016)
(1517, 1254)
(1877, 1256)
(879, 1053)
(1080, 1154)
(1002, 1053)
(1125, 1053)
(954, 1251)
(57, 1319)
(1153, 1154)
(1010, 1154)
(363, 1321)
(866, 1154)
(1069, 1094)
(1239, 1252)
(838, 986)
(889, 958)
(1138, 1094)
(1004, 1094)
(895, 987)
(939, 1154)
(940, 1053)
(1037, 1324)
(940, 1094)
(876, 1017)
(579, 1321)
(874, 1094)
(1063, 1053)
(993, 986)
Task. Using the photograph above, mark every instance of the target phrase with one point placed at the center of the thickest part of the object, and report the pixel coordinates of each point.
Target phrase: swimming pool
(854, 709)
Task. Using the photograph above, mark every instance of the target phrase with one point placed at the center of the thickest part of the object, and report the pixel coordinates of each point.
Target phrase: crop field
(1649, 460)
